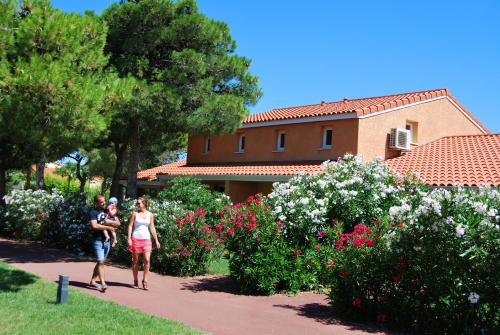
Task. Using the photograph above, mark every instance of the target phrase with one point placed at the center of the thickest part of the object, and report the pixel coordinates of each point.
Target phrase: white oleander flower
(473, 298)
(460, 230)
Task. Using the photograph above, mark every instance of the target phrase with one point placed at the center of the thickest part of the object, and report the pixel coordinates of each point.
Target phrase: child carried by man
(111, 214)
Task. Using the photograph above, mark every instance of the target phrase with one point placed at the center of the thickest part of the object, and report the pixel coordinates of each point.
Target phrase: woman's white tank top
(141, 227)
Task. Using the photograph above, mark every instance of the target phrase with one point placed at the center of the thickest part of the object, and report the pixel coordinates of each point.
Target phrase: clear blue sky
(308, 51)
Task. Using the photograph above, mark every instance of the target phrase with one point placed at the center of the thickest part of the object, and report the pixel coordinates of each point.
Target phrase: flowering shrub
(192, 194)
(345, 193)
(68, 226)
(433, 265)
(349, 191)
(188, 242)
(28, 211)
(197, 245)
(258, 253)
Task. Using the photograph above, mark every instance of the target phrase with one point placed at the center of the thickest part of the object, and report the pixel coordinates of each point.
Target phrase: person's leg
(135, 267)
(106, 235)
(95, 274)
(99, 256)
(113, 235)
(100, 270)
(146, 261)
(105, 247)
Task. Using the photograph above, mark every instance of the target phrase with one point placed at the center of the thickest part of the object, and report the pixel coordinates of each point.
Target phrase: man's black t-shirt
(98, 214)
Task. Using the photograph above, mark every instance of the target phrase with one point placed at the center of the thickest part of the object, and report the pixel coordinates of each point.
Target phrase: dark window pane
(242, 143)
(282, 140)
(328, 137)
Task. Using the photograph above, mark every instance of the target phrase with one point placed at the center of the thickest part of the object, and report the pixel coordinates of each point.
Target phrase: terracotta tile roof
(361, 107)
(180, 168)
(470, 160)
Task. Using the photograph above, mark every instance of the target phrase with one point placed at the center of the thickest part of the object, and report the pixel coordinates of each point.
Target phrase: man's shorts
(101, 250)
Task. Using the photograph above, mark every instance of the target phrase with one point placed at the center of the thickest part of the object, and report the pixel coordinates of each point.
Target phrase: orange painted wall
(302, 142)
(239, 191)
(435, 119)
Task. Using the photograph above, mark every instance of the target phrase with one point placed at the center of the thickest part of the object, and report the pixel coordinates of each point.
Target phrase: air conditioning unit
(400, 139)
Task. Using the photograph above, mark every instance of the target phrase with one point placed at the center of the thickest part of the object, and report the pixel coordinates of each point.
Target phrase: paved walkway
(209, 303)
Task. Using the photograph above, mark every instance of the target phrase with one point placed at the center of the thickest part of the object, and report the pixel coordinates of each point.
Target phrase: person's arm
(113, 223)
(153, 230)
(130, 225)
(94, 225)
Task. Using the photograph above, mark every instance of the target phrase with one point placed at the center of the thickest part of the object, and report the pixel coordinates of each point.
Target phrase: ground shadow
(323, 313)
(80, 284)
(13, 280)
(32, 252)
(211, 284)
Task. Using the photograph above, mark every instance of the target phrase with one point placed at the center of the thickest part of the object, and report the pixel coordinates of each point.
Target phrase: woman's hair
(144, 201)
(97, 197)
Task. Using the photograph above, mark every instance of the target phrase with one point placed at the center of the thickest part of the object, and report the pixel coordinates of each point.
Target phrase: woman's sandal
(145, 285)
(136, 284)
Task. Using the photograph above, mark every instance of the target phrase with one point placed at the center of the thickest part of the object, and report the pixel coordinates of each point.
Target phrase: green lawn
(219, 267)
(27, 306)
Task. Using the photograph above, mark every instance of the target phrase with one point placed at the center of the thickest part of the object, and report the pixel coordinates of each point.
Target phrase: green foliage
(189, 244)
(51, 102)
(192, 195)
(68, 227)
(191, 81)
(64, 185)
(257, 251)
(15, 178)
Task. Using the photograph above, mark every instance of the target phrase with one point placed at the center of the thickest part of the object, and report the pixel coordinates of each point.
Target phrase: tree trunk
(40, 176)
(27, 184)
(103, 186)
(81, 178)
(3, 185)
(121, 152)
(135, 149)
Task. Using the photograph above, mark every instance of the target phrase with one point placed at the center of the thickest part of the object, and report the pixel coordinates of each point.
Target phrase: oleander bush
(258, 253)
(68, 225)
(188, 242)
(432, 266)
(192, 195)
(27, 212)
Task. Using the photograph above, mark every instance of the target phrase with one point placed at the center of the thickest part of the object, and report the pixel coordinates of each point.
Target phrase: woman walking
(140, 228)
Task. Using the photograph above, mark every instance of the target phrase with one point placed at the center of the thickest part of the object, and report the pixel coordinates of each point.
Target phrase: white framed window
(280, 141)
(413, 128)
(327, 138)
(206, 145)
(241, 143)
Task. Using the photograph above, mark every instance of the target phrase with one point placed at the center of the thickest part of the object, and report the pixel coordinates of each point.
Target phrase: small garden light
(62, 289)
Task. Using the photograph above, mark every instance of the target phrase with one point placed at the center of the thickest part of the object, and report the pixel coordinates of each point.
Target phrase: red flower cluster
(197, 237)
(357, 238)
(356, 302)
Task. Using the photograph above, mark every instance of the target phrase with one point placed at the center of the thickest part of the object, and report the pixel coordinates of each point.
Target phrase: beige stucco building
(275, 145)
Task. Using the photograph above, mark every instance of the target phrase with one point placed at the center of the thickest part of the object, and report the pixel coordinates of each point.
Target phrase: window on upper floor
(412, 126)
(280, 141)
(206, 145)
(241, 143)
(327, 138)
